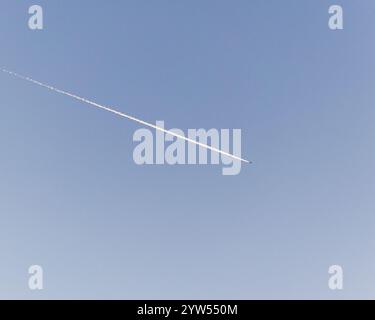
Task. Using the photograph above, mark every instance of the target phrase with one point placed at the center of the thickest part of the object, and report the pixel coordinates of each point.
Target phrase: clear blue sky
(73, 201)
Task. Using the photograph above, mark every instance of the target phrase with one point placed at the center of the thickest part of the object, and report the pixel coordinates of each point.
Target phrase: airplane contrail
(123, 115)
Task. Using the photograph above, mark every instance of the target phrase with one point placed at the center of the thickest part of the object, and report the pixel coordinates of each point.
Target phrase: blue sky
(73, 201)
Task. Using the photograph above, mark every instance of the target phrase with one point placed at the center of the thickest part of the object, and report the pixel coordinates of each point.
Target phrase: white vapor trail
(124, 115)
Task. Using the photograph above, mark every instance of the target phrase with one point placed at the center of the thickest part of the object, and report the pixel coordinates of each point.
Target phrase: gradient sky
(73, 201)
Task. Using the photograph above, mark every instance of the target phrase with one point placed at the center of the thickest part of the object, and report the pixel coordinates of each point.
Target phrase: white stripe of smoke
(123, 115)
